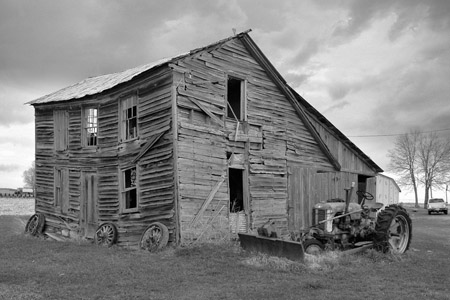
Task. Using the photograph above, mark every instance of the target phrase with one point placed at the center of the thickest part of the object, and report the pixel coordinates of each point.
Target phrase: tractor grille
(320, 215)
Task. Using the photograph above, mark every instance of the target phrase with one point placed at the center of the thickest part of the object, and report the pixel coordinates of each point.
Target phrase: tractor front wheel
(393, 230)
(313, 246)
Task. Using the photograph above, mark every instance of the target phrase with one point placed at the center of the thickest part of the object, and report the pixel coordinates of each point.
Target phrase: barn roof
(98, 84)
(94, 85)
(311, 110)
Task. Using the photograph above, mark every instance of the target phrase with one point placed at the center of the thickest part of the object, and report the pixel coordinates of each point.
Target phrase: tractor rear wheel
(313, 246)
(393, 230)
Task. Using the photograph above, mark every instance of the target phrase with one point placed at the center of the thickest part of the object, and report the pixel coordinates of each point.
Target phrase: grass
(33, 268)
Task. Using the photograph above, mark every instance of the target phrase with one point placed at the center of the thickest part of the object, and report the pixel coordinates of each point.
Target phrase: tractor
(339, 224)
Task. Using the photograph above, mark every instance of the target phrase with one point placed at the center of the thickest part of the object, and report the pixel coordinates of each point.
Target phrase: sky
(373, 68)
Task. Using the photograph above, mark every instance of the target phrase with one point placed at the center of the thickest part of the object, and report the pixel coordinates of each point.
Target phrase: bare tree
(433, 157)
(404, 161)
(29, 176)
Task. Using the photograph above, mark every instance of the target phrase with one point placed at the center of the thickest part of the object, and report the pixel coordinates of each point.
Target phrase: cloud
(410, 14)
(12, 109)
(5, 168)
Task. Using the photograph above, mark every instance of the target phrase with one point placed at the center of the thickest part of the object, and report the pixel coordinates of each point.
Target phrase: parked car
(437, 205)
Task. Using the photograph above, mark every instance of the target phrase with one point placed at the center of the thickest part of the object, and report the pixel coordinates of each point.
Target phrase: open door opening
(238, 217)
(236, 190)
(362, 186)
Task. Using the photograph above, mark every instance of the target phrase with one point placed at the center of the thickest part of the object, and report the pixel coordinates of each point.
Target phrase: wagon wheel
(35, 224)
(106, 235)
(155, 237)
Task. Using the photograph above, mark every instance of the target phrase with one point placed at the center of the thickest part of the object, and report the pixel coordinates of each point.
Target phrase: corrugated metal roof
(98, 84)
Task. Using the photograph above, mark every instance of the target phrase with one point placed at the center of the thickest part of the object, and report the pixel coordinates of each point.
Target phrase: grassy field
(16, 206)
(33, 268)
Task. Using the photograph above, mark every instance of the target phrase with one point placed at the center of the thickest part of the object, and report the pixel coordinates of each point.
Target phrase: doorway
(235, 182)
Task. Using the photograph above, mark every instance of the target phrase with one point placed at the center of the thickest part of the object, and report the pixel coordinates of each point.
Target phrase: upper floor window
(90, 127)
(61, 129)
(129, 118)
(236, 100)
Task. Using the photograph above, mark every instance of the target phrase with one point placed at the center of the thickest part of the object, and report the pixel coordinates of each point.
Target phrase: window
(129, 118)
(129, 189)
(60, 128)
(236, 104)
(90, 127)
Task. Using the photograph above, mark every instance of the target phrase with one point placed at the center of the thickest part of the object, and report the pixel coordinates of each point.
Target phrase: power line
(394, 134)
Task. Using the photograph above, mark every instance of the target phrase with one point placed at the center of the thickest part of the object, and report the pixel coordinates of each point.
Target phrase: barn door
(89, 210)
(298, 199)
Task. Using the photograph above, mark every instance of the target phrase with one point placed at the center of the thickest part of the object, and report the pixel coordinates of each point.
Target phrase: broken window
(129, 189)
(90, 131)
(236, 105)
(129, 118)
(61, 129)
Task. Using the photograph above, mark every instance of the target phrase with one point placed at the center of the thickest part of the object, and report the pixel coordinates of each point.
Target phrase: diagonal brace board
(208, 200)
(148, 146)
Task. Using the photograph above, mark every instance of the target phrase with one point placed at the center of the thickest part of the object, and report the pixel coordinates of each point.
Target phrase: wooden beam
(148, 146)
(208, 200)
(206, 111)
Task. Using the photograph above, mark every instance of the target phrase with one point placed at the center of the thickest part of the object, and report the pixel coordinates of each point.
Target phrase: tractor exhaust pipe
(348, 195)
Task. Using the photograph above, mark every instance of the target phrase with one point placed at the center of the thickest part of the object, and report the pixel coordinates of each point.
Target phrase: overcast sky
(370, 67)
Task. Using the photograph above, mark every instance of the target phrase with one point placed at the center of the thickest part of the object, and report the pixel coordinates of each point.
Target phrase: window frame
(124, 120)
(242, 100)
(124, 190)
(85, 127)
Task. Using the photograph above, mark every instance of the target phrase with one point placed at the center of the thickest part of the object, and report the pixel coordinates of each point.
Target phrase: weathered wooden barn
(212, 134)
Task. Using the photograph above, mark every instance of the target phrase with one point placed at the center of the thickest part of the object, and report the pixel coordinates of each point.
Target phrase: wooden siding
(156, 184)
(272, 137)
(307, 187)
(349, 160)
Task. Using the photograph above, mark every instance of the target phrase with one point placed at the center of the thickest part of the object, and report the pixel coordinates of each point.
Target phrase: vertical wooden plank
(177, 78)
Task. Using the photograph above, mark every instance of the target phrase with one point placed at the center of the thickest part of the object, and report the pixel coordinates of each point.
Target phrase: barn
(384, 189)
(213, 140)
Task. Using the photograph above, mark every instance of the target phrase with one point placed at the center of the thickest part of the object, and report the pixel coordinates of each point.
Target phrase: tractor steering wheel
(365, 195)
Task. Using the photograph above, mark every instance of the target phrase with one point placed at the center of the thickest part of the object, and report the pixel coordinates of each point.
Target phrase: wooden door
(298, 198)
(89, 208)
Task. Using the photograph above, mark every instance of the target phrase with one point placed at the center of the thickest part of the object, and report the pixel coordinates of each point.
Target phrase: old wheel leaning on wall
(106, 235)
(393, 230)
(35, 224)
(155, 237)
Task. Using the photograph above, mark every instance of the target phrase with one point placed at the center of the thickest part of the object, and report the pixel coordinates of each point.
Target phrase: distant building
(7, 192)
(384, 189)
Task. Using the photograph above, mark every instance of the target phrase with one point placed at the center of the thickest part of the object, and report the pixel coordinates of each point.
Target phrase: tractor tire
(393, 230)
(313, 246)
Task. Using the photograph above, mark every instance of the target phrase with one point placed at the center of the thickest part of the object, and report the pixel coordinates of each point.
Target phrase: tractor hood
(336, 207)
